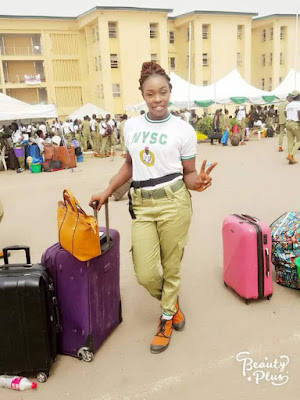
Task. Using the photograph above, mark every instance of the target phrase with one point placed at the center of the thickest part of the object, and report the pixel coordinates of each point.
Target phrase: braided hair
(152, 68)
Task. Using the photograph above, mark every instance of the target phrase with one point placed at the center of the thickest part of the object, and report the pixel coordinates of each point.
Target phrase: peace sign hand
(203, 180)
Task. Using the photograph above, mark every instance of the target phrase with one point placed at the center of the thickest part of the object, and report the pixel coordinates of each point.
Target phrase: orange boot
(161, 340)
(178, 320)
(280, 149)
(291, 159)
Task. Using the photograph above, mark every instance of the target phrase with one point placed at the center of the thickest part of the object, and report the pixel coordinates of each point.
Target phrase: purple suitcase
(88, 295)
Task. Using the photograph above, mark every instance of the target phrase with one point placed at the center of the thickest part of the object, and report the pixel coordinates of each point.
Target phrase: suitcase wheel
(247, 301)
(225, 284)
(269, 297)
(42, 377)
(85, 354)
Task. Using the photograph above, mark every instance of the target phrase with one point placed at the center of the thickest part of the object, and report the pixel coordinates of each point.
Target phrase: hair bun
(152, 68)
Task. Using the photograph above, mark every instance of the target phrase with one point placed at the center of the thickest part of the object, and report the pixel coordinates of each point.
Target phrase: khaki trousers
(160, 231)
(281, 134)
(86, 138)
(293, 133)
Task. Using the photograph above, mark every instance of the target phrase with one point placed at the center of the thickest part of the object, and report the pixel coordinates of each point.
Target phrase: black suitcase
(29, 318)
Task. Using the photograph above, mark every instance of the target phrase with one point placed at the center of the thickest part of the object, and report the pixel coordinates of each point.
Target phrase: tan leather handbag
(78, 233)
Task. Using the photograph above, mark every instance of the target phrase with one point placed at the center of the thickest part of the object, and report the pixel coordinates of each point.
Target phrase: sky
(73, 8)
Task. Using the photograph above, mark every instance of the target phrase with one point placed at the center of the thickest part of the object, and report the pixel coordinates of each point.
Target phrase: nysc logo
(147, 157)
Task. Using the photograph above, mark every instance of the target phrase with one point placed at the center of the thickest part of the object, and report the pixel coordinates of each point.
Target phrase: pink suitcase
(247, 256)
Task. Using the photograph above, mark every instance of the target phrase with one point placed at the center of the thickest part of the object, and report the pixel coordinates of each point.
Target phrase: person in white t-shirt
(293, 126)
(43, 128)
(18, 138)
(41, 142)
(161, 152)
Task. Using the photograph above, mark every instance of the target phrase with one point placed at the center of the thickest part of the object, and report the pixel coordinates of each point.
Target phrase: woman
(161, 152)
(216, 128)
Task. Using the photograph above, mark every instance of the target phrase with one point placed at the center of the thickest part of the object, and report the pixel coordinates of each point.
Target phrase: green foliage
(204, 125)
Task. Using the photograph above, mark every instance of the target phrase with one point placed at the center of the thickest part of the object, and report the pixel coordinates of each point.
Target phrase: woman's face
(156, 93)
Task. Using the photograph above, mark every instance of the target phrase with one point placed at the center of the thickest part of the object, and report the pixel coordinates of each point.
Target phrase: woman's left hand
(203, 180)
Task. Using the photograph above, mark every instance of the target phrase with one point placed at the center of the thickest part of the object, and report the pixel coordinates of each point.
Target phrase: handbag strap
(69, 199)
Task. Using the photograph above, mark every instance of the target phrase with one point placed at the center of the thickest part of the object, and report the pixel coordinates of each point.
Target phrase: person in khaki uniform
(97, 138)
(282, 121)
(94, 132)
(161, 152)
(293, 126)
(86, 133)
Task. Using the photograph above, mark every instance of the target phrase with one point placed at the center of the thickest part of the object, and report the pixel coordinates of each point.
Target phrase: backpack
(108, 129)
(270, 132)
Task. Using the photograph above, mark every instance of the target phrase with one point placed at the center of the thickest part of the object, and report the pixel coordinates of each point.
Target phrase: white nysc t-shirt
(157, 148)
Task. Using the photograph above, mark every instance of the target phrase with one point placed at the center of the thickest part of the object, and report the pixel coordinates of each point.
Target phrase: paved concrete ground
(201, 361)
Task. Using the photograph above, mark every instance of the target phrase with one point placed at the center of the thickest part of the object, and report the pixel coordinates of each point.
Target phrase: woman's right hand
(100, 198)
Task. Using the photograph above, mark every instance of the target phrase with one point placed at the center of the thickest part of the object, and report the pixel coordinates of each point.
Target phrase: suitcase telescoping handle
(95, 205)
(13, 248)
(249, 217)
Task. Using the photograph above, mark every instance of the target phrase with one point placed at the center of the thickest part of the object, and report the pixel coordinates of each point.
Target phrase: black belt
(149, 182)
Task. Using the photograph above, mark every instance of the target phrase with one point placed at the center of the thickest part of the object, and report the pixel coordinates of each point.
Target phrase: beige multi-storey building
(220, 42)
(97, 56)
(274, 43)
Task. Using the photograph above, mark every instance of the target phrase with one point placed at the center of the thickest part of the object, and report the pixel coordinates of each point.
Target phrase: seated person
(258, 126)
(40, 141)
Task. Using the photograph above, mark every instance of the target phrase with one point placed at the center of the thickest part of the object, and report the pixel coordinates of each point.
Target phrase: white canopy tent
(291, 82)
(232, 88)
(13, 109)
(88, 109)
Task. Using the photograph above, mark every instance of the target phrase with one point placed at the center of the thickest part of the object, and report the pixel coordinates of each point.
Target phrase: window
(93, 35)
(205, 31)
(96, 63)
(172, 62)
(171, 37)
(204, 59)
(264, 35)
(154, 58)
(281, 59)
(262, 83)
(114, 61)
(240, 31)
(270, 84)
(98, 91)
(97, 33)
(116, 90)
(280, 79)
(112, 29)
(101, 92)
(153, 31)
(282, 32)
(271, 33)
(99, 63)
(271, 59)
(239, 61)
(263, 60)
(205, 83)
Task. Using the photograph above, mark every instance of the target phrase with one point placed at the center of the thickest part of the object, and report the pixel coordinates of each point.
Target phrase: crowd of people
(101, 135)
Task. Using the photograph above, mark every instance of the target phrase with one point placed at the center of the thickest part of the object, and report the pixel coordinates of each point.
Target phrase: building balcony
(24, 78)
(21, 51)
